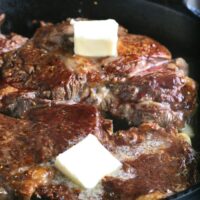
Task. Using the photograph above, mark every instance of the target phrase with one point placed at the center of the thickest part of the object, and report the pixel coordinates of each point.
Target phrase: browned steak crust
(40, 80)
(154, 165)
(141, 79)
(154, 159)
(11, 42)
(26, 144)
(55, 192)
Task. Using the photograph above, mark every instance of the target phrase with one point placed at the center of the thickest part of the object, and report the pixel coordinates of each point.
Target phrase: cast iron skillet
(180, 33)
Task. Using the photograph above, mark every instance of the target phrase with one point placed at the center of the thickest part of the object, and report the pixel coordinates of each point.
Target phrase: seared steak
(26, 144)
(10, 42)
(141, 84)
(155, 161)
(39, 80)
(163, 94)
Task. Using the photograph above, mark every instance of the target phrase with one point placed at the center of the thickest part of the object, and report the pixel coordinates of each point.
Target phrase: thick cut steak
(26, 145)
(60, 98)
(156, 161)
(142, 79)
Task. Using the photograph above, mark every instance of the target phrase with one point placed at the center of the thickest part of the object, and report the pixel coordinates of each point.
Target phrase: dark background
(177, 5)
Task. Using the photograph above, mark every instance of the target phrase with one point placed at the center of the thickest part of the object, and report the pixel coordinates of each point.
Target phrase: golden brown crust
(141, 46)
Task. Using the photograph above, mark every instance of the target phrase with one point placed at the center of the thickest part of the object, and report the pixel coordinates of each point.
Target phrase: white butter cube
(95, 38)
(87, 162)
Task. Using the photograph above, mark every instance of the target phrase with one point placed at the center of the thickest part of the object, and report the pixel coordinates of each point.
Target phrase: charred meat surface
(163, 94)
(142, 78)
(50, 99)
(154, 155)
(155, 160)
(55, 192)
(26, 144)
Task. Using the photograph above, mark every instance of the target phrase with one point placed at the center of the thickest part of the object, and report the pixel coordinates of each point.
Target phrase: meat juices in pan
(143, 85)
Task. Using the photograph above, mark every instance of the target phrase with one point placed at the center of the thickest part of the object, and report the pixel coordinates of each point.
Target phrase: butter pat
(95, 38)
(87, 162)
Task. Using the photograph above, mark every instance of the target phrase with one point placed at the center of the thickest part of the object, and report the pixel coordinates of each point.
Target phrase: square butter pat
(87, 162)
(95, 38)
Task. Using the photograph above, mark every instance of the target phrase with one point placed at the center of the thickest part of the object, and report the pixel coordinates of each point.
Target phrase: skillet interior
(180, 33)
